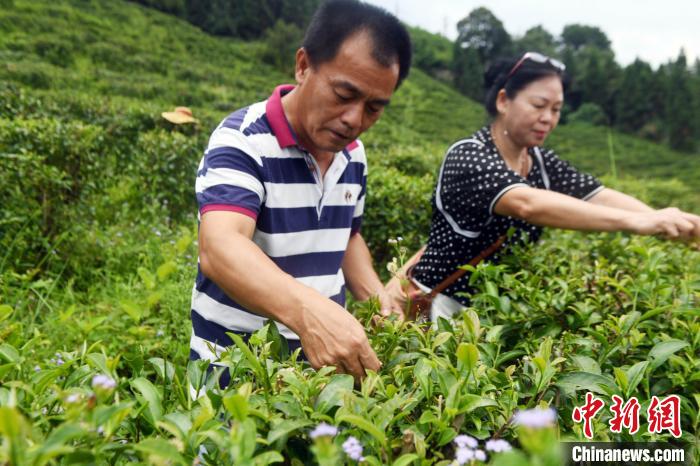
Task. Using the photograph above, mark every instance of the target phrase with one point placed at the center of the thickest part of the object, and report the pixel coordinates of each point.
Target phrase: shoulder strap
(456, 275)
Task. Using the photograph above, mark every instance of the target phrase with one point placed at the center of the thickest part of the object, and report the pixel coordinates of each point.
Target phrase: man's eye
(343, 98)
(373, 110)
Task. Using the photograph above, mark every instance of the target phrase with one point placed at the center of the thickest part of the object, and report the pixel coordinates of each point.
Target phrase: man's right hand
(331, 336)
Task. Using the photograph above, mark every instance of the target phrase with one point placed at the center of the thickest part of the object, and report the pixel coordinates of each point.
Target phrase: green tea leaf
(574, 381)
(634, 375)
(286, 427)
(405, 459)
(236, 405)
(151, 396)
(663, 350)
(160, 449)
(363, 424)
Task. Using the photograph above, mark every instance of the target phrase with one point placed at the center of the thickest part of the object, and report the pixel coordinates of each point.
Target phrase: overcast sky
(654, 30)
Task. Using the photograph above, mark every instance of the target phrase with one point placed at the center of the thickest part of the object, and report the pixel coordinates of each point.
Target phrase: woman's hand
(671, 223)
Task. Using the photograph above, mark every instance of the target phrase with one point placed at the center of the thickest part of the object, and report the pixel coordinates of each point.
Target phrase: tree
(536, 39)
(469, 73)
(481, 39)
(679, 108)
(432, 53)
(597, 78)
(635, 98)
(577, 36)
(485, 33)
(281, 43)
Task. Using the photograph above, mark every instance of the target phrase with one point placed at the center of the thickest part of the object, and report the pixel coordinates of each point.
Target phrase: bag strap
(456, 275)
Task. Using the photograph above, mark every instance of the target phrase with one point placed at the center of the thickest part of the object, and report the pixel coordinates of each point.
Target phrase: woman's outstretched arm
(552, 209)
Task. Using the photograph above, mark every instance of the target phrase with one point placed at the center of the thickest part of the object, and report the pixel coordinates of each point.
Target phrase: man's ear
(501, 101)
(302, 66)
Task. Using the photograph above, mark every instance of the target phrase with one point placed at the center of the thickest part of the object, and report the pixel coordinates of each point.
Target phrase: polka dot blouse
(472, 179)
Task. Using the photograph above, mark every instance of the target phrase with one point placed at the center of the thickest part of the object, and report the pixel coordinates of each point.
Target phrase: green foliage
(482, 31)
(432, 53)
(281, 43)
(578, 36)
(536, 39)
(634, 106)
(679, 110)
(247, 19)
(589, 113)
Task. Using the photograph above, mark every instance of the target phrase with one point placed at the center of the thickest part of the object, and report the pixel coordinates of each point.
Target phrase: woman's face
(533, 113)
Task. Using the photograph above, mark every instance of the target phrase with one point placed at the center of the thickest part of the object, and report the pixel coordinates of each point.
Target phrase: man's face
(340, 99)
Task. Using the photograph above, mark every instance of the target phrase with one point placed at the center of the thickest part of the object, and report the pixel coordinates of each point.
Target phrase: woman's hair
(497, 78)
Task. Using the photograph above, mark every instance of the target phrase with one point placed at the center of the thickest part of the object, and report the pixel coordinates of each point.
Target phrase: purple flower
(323, 430)
(73, 399)
(536, 418)
(37, 368)
(103, 382)
(100, 430)
(462, 455)
(353, 448)
(464, 441)
(498, 445)
(479, 455)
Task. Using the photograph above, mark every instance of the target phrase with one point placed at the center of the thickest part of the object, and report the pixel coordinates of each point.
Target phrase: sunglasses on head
(537, 58)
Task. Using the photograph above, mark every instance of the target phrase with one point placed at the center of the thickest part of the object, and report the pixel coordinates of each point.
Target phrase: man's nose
(352, 116)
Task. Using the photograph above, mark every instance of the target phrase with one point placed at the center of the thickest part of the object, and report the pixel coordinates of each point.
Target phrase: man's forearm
(360, 276)
(244, 272)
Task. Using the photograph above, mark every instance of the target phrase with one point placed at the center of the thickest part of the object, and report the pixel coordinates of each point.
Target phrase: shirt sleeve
(565, 179)
(230, 179)
(472, 180)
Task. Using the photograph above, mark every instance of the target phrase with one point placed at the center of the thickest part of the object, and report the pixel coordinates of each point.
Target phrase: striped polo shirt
(254, 166)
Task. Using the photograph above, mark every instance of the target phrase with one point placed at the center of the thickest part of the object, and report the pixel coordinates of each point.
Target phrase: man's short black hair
(336, 20)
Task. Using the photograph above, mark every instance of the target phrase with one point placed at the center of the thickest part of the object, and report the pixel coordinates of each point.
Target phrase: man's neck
(289, 106)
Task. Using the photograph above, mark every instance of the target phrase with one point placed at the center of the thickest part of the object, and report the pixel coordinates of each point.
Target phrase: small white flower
(73, 398)
(160, 333)
(479, 455)
(37, 368)
(462, 455)
(322, 430)
(498, 445)
(103, 382)
(353, 448)
(536, 418)
(392, 241)
(464, 441)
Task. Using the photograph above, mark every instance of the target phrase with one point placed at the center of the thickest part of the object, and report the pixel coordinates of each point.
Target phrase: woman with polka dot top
(501, 178)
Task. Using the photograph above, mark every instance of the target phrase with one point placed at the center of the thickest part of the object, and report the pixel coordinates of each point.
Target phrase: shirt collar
(278, 120)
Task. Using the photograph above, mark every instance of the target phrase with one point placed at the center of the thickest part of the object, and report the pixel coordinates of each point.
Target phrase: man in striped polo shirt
(281, 193)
